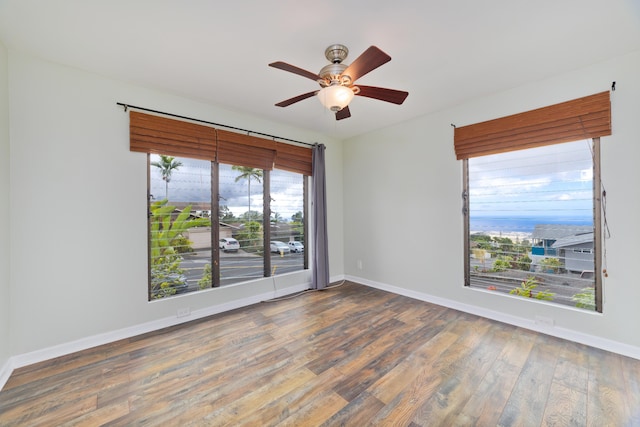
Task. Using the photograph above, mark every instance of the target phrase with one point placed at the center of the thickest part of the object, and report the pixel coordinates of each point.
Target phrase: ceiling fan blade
(370, 59)
(383, 94)
(295, 99)
(295, 70)
(343, 114)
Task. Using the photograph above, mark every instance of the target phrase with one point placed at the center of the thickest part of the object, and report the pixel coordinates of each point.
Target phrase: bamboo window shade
(245, 150)
(161, 135)
(582, 118)
(293, 158)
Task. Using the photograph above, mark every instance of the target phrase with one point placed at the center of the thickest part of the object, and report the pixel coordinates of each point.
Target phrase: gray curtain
(320, 261)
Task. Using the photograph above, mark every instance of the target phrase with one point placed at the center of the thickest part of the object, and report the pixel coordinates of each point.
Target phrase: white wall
(5, 291)
(403, 206)
(78, 210)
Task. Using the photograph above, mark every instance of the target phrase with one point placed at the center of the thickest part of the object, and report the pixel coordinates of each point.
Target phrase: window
(531, 223)
(532, 202)
(182, 224)
(216, 202)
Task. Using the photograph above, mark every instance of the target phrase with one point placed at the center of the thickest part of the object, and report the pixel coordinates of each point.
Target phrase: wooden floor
(352, 356)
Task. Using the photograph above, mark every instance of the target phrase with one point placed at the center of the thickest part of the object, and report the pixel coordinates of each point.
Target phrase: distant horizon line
(532, 216)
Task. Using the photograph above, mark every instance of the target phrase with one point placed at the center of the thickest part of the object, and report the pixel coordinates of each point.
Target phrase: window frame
(597, 223)
(215, 224)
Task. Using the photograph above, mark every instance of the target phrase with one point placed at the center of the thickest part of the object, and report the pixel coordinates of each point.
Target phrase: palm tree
(167, 165)
(248, 173)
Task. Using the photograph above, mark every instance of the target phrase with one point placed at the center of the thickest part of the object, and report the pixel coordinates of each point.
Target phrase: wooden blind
(582, 118)
(293, 158)
(160, 135)
(245, 150)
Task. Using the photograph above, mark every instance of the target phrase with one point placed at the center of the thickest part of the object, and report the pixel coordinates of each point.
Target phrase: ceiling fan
(337, 80)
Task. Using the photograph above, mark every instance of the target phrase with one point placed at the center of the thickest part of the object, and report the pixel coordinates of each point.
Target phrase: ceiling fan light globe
(335, 97)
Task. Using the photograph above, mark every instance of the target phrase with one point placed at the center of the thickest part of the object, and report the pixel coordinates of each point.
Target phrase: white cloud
(507, 187)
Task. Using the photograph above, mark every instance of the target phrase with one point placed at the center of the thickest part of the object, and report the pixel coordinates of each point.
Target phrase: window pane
(180, 225)
(241, 206)
(287, 222)
(531, 222)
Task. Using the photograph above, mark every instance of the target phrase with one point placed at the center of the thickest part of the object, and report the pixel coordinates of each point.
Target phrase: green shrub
(182, 245)
(522, 263)
(167, 277)
(586, 299)
(551, 264)
(503, 263)
(250, 236)
(526, 290)
(205, 281)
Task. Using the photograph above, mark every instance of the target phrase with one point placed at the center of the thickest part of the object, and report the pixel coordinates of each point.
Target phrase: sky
(556, 180)
(191, 182)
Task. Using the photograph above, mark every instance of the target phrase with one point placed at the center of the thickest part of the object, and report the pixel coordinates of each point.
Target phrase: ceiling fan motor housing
(336, 53)
(332, 73)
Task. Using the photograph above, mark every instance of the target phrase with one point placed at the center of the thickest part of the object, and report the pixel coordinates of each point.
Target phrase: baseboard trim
(30, 358)
(5, 372)
(558, 332)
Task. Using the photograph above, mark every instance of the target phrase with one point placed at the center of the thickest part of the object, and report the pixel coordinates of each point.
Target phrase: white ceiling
(443, 52)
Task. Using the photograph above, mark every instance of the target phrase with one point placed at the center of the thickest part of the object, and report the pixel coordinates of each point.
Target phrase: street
(238, 267)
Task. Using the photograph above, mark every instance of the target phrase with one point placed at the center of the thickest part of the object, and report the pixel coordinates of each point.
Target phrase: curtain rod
(126, 106)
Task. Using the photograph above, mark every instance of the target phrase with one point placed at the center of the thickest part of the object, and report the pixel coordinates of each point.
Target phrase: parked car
(279, 247)
(229, 244)
(296, 247)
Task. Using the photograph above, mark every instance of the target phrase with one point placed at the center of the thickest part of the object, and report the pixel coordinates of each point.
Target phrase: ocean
(519, 225)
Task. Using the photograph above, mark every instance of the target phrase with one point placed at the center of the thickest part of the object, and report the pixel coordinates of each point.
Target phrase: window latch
(465, 209)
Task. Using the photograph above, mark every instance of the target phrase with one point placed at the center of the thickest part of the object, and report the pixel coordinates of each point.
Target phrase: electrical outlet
(544, 321)
(359, 263)
(183, 312)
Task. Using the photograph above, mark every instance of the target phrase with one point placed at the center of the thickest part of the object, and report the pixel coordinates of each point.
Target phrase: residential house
(572, 244)
(577, 252)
